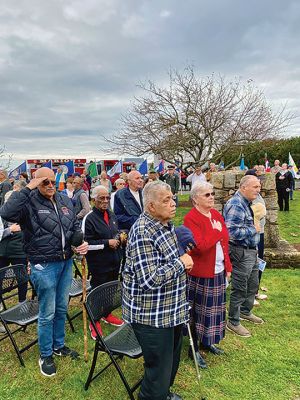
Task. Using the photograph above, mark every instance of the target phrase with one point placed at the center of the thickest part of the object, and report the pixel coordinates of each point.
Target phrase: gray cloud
(69, 69)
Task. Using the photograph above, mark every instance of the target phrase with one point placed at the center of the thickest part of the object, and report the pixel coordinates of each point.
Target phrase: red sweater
(206, 238)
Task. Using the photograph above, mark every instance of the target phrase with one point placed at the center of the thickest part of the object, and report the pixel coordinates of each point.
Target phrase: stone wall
(278, 253)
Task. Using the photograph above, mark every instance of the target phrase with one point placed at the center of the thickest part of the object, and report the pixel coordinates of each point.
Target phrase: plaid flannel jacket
(239, 221)
(154, 279)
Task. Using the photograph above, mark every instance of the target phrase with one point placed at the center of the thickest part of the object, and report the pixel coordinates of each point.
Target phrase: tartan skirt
(207, 299)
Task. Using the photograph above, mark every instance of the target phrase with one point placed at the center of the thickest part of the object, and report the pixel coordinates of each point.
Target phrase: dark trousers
(98, 279)
(5, 262)
(283, 197)
(244, 282)
(261, 249)
(161, 349)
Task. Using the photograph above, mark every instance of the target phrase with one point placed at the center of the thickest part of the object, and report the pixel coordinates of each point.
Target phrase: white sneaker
(261, 296)
(256, 303)
(2, 329)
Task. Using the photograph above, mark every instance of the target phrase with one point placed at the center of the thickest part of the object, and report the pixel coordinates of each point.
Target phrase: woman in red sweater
(207, 279)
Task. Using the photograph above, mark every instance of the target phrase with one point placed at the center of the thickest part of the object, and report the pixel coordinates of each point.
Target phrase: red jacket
(206, 238)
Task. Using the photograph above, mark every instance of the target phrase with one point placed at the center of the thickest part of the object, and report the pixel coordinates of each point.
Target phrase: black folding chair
(75, 291)
(122, 342)
(23, 314)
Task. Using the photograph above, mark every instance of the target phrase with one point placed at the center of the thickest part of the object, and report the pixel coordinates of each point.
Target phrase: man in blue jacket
(129, 202)
(48, 221)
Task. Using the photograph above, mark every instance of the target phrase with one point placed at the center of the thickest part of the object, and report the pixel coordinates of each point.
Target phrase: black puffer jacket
(41, 224)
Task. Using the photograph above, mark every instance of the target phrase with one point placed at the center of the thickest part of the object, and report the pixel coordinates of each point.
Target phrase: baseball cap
(186, 241)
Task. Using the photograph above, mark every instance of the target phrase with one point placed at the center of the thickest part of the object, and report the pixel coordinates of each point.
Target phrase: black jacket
(12, 246)
(286, 182)
(126, 208)
(41, 224)
(97, 233)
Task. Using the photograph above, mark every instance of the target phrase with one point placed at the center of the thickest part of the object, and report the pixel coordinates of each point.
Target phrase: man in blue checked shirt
(154, 291)
(243, 240)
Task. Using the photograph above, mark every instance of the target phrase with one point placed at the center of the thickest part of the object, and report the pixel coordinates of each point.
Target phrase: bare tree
(5, 158)
(196, 119)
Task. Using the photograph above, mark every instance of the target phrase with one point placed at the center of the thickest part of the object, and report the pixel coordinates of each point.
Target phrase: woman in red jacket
(207, 279)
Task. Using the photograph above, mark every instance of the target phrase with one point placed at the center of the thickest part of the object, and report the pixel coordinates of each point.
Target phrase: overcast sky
(69, 69)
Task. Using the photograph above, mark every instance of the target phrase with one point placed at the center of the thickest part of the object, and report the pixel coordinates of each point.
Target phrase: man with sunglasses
(49, 222)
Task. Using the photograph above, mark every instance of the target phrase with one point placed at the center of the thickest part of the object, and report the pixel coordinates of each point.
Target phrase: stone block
(217, 180)
(271, 202)
(220, 194)
(229, 179)
(272, 216)
(269, 182)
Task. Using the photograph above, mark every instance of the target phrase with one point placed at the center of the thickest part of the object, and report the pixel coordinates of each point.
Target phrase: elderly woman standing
(206, 281)
(100, 229)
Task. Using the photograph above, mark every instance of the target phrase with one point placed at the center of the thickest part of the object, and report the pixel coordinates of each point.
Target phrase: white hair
(97, 190)
(151, 190)
(200, 187)
(118, 181)
(246, 180)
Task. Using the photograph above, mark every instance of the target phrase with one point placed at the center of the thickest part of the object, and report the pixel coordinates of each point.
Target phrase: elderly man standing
(5, 185)
(80, 199)
(48, 221)
(128, 203)
(154, 291)
(196, 177)
(244, 238)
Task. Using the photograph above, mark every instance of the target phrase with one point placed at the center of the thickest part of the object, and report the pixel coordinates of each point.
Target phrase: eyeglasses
(47, 182)
(103, 198)
(209, 194)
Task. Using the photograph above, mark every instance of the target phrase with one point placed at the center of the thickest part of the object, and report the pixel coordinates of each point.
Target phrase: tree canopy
(195, 119)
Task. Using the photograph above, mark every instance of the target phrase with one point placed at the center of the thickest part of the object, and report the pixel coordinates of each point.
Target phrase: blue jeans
(52, 282)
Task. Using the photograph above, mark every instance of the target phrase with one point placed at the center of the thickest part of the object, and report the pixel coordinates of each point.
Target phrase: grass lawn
(263, 367)
(289, 222)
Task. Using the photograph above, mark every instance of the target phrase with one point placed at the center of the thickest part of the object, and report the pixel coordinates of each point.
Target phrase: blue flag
(68, 167)
(17, 171)
(160, 167)
(242, 163)
(143, 168)
(48, 164)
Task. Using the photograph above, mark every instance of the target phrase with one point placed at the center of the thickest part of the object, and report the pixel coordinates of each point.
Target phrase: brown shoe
(238, 329)
(252, 318)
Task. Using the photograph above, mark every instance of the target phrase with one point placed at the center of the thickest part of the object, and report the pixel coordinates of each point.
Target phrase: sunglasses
(47, 182)
(103, 198)
(209, 194)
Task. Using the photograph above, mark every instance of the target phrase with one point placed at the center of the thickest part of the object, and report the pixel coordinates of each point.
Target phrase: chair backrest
(102, 300)
(12, 277)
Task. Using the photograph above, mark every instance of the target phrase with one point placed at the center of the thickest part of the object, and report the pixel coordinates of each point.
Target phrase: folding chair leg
(90, 377)
(13, 343)
(70, 323)
(128, 388)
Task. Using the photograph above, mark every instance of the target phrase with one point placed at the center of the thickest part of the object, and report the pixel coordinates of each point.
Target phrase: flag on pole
(160, 167)
(92, 169)
(18, 170)
(293, 164)
(267, 164)
(68, 167)
(242, 163)
(48, 164)
(143, 168)
(116, 169)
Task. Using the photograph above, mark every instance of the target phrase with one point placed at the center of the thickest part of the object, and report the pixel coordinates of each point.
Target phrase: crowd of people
(170, 276)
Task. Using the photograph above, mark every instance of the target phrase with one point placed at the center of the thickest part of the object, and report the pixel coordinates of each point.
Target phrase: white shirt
(194, 178)
(136, 195)
(219, 267)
